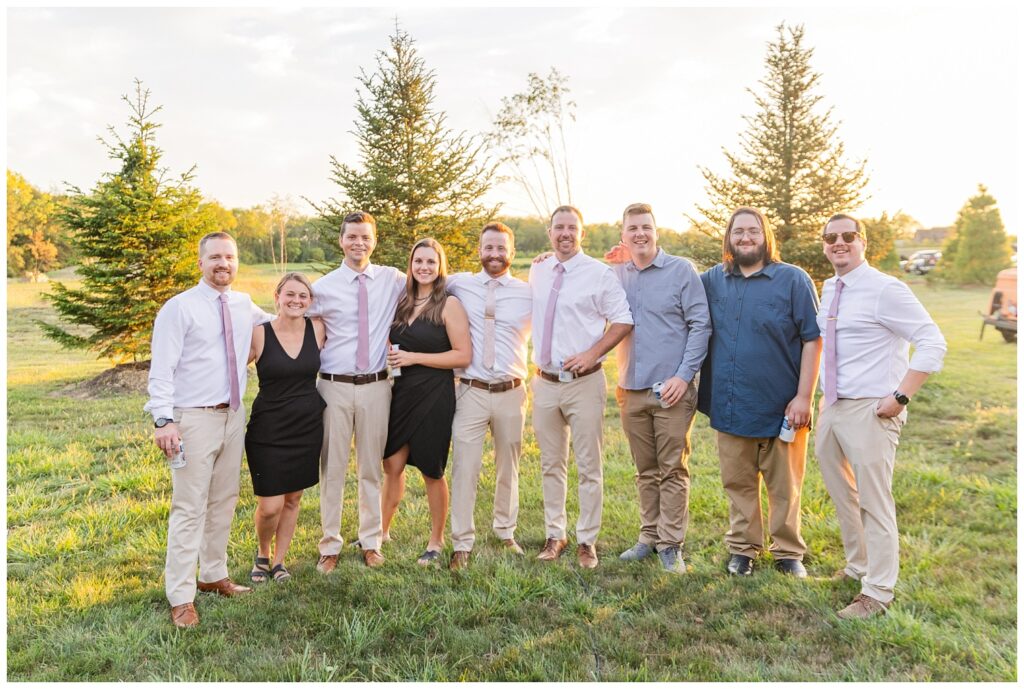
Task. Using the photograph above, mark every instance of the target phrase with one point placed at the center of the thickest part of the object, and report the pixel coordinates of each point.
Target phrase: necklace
(418, 300)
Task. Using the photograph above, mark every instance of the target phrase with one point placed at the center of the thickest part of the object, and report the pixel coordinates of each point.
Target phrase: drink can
(787, 434)
(656, 389)
(563, 375)
(396, 371)
(178, 460)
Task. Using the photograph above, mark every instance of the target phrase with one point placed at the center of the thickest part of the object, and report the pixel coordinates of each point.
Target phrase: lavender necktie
(490, 307)
(549, 316)
(235, 400)
(831, 390)
(363, 341)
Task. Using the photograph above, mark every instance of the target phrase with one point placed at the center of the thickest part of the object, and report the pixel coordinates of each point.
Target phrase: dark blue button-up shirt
(759, 324)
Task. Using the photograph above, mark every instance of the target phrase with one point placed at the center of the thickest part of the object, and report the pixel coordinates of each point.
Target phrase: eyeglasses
(752, 232)
(848, 237)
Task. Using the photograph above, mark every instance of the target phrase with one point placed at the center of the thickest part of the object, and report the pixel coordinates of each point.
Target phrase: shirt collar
(768, 271)
(659, 261)
(853, 276)
(483, 278)
(370, 271)
(209, 292)
(569, 265)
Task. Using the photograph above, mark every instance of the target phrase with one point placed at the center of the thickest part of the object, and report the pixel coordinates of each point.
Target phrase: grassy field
(88, 500)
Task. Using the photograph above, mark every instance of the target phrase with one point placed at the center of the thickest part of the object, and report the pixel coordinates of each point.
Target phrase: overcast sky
(259, 98)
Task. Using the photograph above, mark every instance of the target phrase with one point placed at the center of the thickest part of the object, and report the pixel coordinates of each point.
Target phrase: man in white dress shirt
(197, 378)
(574, 298)
(490, 392)
(868, 319)
(357, 304)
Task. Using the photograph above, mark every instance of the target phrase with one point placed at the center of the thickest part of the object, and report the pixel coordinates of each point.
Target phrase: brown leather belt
(553, 377)
(222, 405)
(359, 379)
(493, 387)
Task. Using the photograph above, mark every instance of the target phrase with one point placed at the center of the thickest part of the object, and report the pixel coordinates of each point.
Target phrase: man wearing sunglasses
(761, 366)
(868, 319)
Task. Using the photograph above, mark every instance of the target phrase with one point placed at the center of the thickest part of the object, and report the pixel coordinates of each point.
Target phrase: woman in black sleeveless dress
(285, 431)
(432, 333)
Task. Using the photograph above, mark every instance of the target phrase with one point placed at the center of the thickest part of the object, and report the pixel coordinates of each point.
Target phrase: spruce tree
(137, 234)
(416, 176)
(790, 164)
(979, 247)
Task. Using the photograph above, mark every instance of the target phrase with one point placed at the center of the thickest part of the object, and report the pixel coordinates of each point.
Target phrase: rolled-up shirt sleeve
(166, 347)
(805, 308)
(901, 312)
(613, 302)
(698, 324)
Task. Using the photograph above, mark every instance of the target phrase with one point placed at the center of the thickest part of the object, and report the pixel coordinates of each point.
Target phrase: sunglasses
(848, 237)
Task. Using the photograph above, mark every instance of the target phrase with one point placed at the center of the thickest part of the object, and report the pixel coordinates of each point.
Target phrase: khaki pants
(558, 408)
(504, 413)
(203, 499)
(659, 440)
(743, 462)
(857, 454)
(362, 409)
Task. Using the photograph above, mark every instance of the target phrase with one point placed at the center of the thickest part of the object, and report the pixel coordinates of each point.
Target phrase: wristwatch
(901, 398)
(161, 422)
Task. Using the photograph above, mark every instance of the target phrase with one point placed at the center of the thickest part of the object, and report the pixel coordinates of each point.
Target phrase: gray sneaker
(637, 552)
(672, 560)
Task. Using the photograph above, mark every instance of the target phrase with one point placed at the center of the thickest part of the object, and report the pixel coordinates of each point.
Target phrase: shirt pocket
(770, 315)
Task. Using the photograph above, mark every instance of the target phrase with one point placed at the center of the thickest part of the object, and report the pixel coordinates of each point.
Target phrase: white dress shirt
(512, 310)
(189, 367)
(336, 301)
(878, 319)
(590, 297)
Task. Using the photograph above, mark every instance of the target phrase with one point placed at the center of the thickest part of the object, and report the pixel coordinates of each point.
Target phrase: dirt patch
(124, 379)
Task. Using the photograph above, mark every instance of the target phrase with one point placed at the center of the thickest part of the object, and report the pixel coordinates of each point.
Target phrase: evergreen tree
(791, 164)
(137, 232)
(417, 177)
(979, 247)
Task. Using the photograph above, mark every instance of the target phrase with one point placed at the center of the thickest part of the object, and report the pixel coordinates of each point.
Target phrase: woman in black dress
(285, 431)
(432, 332)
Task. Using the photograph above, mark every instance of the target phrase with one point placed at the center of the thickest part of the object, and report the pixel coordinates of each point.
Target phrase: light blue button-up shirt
(671, 322)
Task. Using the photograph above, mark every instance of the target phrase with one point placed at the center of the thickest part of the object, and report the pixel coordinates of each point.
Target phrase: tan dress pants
(659, 440)
(857, 454)
(504, 413)
(203, 500)
(362, 410)
(743, 462)
(559, 408)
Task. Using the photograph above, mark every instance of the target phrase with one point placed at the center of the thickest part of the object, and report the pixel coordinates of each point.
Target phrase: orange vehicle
(1002, 306)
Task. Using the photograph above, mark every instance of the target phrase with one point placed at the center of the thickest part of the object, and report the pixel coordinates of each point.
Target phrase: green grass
(88, 499)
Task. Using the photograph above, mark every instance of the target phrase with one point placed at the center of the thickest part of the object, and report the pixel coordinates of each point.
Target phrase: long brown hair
(435, 303)
(771, 247)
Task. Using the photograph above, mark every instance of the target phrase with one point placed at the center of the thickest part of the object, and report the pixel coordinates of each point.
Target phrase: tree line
(134, 233)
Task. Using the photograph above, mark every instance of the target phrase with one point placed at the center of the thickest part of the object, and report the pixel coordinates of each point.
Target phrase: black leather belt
(553, 377)
(358, 379)
(493, 387)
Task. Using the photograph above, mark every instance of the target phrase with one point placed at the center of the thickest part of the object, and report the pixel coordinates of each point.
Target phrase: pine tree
(791, 164)
(979, 247)
(137, 232)
(417, 177)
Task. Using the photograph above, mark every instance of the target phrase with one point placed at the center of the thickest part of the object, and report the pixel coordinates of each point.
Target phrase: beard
(749, 258)
(496, 266)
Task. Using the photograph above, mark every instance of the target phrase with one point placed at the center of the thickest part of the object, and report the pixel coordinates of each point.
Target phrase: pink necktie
(235, 400)
(549, 316)
(489, 309)
(363, 341)
(831, 391)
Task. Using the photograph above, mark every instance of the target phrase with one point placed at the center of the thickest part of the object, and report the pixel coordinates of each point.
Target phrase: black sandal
(280, 573)
(430, 558)
(260, 569)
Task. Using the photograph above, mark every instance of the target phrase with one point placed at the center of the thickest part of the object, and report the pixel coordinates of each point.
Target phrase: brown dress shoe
(513, 547)
(460, 560)
(863, 607)
(373, 558)
(224, 587)
(587, 555)
(326, 564)
(553, 547)
(184, 616)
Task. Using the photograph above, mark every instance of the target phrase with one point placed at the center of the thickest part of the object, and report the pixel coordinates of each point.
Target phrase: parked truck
(1002, 306)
